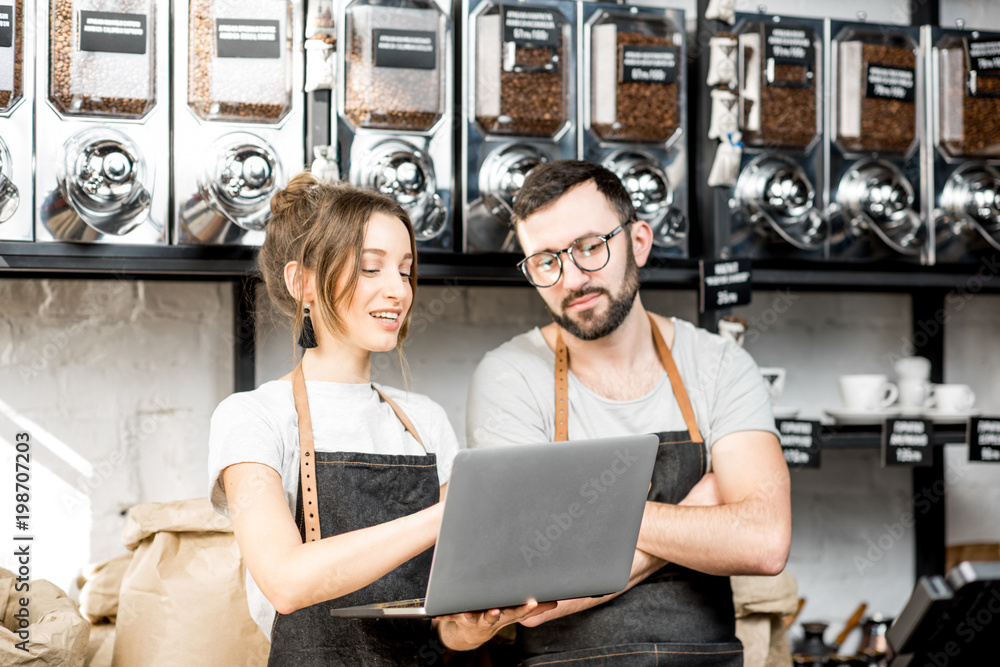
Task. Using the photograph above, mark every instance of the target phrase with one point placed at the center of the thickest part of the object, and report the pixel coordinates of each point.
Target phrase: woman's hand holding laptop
(465, 631)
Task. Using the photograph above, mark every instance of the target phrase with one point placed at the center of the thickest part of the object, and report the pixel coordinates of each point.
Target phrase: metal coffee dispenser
(394, 113)
(633, 114)
(238, 132)
(875, 111)
(102, 127)
(16, 94)
(520, 104)
(964, 160)
(775, 205)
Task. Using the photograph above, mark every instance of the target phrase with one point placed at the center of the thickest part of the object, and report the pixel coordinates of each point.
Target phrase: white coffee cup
(914, 393)
(912, 368)
(867, 392)
(952, 397)
(774, 378)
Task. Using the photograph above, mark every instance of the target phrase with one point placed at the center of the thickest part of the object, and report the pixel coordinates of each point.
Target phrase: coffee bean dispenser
(633, 111)
(238, 132)
(964, 161)
(16, 95)
(102, 126)
(875, 114)
(774, 211)
(395, 125)
(519, 78)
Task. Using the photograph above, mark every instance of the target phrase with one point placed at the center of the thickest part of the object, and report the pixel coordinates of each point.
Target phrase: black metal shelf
(20, 259)
(869, 436)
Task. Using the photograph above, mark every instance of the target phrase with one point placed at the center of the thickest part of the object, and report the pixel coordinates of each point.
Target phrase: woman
(341, 262)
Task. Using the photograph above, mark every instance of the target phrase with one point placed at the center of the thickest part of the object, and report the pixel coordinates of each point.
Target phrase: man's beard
(591, 326)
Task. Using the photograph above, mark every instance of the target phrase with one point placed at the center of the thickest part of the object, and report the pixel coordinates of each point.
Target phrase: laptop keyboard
(401, 604)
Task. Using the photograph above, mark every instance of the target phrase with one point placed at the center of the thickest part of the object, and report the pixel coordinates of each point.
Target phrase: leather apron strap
(307, 452)
(666, 358)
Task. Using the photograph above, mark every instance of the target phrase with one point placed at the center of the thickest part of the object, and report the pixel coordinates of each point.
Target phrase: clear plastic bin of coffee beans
(788, 100)
(97, 82)
(970, 105)
(877, 96)
(532, 84)
(406, 92)
(645, 111)
(12, 62)
(239, 89)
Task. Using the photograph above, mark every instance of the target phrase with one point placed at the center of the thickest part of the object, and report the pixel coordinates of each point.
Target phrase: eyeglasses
(589, 253)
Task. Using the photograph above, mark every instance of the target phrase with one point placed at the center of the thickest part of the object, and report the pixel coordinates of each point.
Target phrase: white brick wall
(115, 380)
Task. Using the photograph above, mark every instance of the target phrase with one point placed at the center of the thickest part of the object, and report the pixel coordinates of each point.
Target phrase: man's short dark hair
(551, 180)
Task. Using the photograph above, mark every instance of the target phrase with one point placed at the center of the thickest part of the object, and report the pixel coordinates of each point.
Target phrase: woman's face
(383, 294)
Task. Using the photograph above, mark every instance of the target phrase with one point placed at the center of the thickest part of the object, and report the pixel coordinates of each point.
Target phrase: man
(606, 367)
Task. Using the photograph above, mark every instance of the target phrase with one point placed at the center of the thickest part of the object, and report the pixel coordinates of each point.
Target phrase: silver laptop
(545, 522)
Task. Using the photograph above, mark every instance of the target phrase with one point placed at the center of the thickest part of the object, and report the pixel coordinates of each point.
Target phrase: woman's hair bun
(294, 194)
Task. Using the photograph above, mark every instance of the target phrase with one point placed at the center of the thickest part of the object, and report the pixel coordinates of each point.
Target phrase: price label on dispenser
(984, 439)
(908, 442)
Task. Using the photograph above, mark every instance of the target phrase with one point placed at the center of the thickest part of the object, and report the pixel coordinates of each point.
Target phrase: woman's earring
(307, 337)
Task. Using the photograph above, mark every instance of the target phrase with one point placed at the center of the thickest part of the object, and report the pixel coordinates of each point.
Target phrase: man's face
(587, 304)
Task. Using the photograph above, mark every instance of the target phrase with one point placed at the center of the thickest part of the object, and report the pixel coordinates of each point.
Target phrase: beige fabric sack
(183, 599)
(761, 604)
(99, 593)
(102, 645)
(58, 633)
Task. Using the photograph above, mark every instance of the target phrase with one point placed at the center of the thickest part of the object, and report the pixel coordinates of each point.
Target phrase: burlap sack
(99, 593)
(183, 600)
(57, 633)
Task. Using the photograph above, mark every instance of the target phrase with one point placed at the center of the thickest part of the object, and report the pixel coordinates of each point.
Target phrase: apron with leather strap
(676, 617)
(349, 491)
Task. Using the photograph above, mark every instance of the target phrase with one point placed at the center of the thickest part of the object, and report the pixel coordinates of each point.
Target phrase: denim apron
(349, 491)
(675, 618)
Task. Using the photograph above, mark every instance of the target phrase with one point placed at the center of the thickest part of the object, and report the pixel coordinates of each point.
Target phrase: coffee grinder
(963, 162)
(16, 120)
(774, 208)
(394, 111)
(238, 136)
(633, 111)
(519, 107)
(875, 115)
(102, 123)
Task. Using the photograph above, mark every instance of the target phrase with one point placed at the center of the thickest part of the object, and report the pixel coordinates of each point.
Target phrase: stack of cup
(913, 377)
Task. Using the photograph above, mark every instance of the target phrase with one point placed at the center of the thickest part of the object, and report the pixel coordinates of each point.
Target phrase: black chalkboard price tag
(247, 38)
(799, 442)
(984, 439)
(6, 26)
(112, 32)
(405, 49)
(724, 284)
(908, 442)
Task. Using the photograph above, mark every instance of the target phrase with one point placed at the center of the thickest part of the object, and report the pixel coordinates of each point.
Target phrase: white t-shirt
(261, 426)
(512, 394)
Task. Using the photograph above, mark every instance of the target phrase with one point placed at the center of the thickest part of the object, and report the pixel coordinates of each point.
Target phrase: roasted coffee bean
(787, 107)
(201, 48)
(390, 98)
(74, 72)
(980, 114)
(644, 111)
(8, 97)
(532, 102)
(886, 125)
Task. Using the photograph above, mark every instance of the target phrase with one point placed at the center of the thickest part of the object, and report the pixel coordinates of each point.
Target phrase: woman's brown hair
(321, 225)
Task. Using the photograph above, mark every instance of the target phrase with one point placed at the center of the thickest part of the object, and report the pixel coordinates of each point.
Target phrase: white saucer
(848, 416)
(784, 412)
(941, 417)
